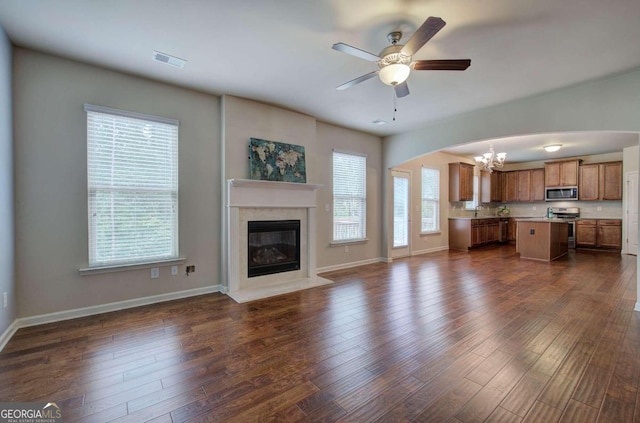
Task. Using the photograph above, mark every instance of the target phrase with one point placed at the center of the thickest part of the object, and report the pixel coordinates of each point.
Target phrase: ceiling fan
(394, 62)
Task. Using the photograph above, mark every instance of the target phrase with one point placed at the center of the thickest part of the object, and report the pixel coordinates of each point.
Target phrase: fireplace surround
(253, 200)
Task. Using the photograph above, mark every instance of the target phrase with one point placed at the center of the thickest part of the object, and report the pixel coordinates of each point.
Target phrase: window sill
(348, 242)
(430, 233)
(126, 267)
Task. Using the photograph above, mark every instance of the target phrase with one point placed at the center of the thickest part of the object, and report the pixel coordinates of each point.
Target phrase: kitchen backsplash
(592, 209)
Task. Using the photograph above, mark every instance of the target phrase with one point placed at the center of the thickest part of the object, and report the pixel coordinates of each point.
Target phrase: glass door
(401, 214)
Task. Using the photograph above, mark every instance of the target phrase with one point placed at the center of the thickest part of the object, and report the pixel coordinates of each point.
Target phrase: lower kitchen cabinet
(467, 233)
(599, 233)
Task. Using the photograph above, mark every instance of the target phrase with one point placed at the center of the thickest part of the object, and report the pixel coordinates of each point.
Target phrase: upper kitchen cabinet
(491, 187)
(600, 181)
(561, 174)
(510, 193)
(611, 181)
(460, 182)
(537, 184)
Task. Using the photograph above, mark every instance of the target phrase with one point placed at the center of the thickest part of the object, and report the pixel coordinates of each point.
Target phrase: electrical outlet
(174, 270)
(155, 272)
(599, 208)
(191, 269)
(327, 207)
(346, 248)
(534, 207)
(5, 299)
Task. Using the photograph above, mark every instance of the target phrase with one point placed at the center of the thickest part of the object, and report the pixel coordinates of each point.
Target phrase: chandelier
(490, 160)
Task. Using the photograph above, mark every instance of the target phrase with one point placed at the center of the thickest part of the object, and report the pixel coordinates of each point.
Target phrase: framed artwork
(276, 161)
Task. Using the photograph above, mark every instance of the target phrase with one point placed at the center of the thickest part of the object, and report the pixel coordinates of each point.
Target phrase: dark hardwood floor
(443, 337)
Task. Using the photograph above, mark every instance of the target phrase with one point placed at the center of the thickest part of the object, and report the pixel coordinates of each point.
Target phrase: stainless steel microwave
(561, 194)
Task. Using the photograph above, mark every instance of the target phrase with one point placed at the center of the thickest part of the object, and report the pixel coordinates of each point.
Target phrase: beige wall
(330, 137)
(51, 187)
(7, 277)
(438, 241)
(243, 119)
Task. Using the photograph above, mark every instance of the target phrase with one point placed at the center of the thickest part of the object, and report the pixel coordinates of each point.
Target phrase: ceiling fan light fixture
(552, 147)
(394, 74)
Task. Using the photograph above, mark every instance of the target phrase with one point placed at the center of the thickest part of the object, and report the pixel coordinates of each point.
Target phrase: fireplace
(273, 247)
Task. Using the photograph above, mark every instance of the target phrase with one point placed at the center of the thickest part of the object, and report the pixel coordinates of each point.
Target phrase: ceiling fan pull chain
(395, 105)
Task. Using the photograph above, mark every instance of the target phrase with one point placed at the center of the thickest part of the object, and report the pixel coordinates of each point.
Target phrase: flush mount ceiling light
(551, 148)
(490, 160)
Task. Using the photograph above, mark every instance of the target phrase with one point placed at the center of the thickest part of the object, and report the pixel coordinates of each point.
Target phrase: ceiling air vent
(168, 59)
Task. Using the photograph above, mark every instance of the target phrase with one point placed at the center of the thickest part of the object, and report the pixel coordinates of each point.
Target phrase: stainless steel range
(570, 214)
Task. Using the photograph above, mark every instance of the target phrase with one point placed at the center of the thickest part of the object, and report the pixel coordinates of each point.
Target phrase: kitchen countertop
(543, 219)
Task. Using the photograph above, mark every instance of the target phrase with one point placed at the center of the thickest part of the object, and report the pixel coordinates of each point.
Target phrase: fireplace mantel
(252, 193)
(277, 200)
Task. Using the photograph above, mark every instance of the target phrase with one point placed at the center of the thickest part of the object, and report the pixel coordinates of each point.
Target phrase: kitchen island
(544, 239)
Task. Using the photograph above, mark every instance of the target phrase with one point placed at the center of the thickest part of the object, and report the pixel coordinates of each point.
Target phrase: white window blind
(430, 200)
(349, 196)
(132, 168)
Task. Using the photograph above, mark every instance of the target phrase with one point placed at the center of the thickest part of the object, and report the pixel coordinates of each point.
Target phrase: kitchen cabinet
(490, 187)
(512, 229)
(561, 173)
(600, 181)
(465, 233)
(599, 233)
(537, 184)
(542, 239)
(524, 186)
(588, 189)
(460, 182)
(510, 186)
(611, 181)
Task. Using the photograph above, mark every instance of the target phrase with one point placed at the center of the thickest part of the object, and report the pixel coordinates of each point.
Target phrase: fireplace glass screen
(274, 247)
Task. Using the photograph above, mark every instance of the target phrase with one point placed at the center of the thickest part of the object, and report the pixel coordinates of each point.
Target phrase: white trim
(351, 264)
(119, 305)
(348, 242)
(7, 334)
(430, 250)
(126, 113)
(637, 307)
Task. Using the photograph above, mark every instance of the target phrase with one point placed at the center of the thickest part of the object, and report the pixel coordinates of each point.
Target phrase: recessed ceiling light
(379, 122)
(553, 147)
(169, 59)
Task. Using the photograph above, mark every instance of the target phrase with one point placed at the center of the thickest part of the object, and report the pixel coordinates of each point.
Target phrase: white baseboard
(350, 265)
(429, 250)
(24, 322)
(7, 334)
(637, 307)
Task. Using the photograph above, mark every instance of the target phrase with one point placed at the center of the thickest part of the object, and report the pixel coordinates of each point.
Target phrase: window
(430, 200)
(132, 169)
(349, 196)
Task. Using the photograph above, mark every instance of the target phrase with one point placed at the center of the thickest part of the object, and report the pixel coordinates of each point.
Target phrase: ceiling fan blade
(429, 28)
(354, 51)
(357, 80)
(402, 90)
(458, 65)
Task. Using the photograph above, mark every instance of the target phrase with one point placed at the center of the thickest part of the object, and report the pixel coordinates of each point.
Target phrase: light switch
(327, 208)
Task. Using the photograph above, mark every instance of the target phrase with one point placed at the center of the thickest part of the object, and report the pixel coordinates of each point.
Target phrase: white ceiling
(279, 51)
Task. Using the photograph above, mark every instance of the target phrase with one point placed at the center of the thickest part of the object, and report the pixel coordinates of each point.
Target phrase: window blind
(430, 200)
(132, 169)
(349, 196)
